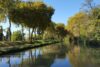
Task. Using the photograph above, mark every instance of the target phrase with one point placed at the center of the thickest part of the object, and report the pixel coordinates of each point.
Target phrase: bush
(16, 36)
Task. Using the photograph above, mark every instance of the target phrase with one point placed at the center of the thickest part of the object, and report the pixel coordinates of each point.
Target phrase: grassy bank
(13, 47)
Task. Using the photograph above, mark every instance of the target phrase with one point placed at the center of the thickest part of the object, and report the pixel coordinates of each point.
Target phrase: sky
(63, 10)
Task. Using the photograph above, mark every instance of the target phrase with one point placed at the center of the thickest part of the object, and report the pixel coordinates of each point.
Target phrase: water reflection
(53, 56)
(84, 57)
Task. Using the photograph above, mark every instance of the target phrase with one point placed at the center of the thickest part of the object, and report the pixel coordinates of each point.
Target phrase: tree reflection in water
(53, 56)
(84, 57)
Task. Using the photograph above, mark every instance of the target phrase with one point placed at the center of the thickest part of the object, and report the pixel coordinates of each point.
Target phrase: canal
(55, 55)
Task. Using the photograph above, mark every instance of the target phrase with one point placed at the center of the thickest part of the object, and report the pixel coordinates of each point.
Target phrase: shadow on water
(53, 56)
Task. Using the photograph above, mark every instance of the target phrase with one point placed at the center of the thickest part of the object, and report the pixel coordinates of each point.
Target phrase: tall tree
(50, 31)
(61, 31)
(5, 7)
(78, 25)
(35, 15)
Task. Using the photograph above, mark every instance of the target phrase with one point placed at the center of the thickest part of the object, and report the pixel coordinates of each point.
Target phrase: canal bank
(13, 47)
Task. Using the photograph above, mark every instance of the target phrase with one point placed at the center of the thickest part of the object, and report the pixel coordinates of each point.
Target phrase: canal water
(56, 55)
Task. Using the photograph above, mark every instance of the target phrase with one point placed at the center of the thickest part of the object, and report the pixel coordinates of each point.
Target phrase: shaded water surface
(53, 56)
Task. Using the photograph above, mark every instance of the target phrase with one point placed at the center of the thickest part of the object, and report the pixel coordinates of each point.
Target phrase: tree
(5, 7)
(94, 20)
(78, 25)
(61, 31)
(50, 32)
(85, 25)
(16, 36)
(94, 25)
(35, 15)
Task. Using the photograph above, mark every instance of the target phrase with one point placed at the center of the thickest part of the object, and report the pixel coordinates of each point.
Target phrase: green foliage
(77, 24)
(86, 25)
(32, 14)
(6, 6)
(50, 32)
(16, 36)
(61, 31)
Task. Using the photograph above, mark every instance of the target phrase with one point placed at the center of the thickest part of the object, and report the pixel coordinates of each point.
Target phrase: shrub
(16, 36)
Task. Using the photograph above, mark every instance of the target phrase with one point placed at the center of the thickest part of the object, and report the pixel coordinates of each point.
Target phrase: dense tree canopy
(77, 23)
(86, 25)
(32, 14)
(60, 30)
(5, 7)
(50, 31)
(35, 15)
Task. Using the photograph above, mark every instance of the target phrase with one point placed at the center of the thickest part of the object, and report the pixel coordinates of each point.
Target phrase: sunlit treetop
(76, 20)
(32, 14)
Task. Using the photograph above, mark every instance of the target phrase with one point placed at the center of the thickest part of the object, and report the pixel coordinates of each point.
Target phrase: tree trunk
(32, 35)
(22, 33)
(29, 34)
(35, 34)
(9, 30)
